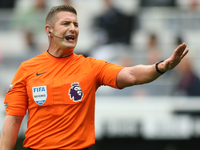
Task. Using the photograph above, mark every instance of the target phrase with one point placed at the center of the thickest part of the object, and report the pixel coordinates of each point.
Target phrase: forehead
(64, 15)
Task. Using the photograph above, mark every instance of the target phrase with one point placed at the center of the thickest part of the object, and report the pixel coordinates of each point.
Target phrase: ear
(47, 29)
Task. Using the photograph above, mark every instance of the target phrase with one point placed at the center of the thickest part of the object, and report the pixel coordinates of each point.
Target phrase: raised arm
(10, 131)
(141, 74)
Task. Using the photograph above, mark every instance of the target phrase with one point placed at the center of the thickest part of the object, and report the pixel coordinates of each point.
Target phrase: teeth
(71, 37)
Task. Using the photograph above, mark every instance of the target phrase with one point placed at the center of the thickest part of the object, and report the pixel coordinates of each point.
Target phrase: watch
(156, 66)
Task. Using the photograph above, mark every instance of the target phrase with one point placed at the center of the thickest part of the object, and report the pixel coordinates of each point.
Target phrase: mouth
(70, 38)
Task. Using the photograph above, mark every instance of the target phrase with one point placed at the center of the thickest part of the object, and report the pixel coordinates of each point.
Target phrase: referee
(58, 89)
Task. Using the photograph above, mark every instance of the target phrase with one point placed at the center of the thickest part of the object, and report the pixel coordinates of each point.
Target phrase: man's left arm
(141, 74)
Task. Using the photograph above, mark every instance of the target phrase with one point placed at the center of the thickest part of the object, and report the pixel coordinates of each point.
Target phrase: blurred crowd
(128, 33)
(125, 32)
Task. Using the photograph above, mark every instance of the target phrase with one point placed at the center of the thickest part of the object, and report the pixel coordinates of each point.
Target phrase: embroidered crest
(75, 92)
(39, 94)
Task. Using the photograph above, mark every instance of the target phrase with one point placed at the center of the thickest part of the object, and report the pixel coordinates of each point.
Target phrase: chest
(59, 84)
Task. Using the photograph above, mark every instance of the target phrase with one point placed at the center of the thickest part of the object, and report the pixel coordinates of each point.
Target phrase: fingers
(181, 47)
(184, 44)
(181, 50)
(185, 53)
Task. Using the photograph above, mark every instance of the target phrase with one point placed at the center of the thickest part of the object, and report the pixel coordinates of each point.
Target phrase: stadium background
(155, 116)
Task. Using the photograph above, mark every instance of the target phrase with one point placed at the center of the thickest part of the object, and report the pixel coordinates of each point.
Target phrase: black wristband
(157, 67)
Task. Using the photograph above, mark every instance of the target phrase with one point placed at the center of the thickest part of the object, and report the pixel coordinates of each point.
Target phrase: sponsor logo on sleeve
(39, 94)
(10, 88)
(5, 105)
(75, 92)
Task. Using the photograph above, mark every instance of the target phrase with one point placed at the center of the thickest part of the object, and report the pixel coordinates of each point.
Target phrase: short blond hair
(51, 16)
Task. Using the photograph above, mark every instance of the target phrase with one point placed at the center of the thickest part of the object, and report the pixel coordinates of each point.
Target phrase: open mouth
(70, 38)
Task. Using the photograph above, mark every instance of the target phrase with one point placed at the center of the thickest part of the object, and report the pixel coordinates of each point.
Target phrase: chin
(70, 46)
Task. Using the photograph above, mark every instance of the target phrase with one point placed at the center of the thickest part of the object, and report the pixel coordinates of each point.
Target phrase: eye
(76, 24)
(66, 23)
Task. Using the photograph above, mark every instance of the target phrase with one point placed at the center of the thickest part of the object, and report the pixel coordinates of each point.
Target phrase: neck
(60, 53)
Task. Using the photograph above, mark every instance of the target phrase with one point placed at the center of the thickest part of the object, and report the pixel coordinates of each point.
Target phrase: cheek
(77, 32)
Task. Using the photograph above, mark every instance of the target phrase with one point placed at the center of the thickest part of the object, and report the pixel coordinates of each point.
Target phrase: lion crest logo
(75, 92)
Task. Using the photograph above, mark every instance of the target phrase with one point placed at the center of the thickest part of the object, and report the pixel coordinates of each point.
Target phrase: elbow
(127, 83)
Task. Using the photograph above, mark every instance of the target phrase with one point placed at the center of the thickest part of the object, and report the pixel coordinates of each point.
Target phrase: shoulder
(35, 60)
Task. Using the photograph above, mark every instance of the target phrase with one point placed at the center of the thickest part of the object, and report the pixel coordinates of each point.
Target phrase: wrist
(159, 68)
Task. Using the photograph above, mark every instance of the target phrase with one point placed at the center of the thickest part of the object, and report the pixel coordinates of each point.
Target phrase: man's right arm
(10, 131)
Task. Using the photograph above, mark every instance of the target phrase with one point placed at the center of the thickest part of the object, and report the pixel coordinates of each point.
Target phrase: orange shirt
(59, 94)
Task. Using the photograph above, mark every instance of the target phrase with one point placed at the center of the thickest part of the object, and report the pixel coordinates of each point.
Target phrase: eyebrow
(69, 21)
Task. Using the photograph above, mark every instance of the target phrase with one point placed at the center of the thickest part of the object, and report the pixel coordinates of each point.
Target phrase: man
(58, 89)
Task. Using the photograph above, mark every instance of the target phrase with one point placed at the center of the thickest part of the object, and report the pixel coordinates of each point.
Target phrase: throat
(60, 55)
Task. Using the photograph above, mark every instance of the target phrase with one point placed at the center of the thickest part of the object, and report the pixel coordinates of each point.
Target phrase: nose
(72, 27)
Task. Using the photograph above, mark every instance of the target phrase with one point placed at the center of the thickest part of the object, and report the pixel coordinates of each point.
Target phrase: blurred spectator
(152, 50)
(110, 52)
(179, 40)
(150, 54)
(189, 83)
(67, 2)
(30, 41)
(191, 5)
(6, 11)
(116, 25)
(7, 4)
(126, 60)
(194, 5)
(31, 17)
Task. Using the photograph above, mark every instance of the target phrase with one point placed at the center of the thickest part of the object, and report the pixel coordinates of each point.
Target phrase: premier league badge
(75, 92)
(39, 94)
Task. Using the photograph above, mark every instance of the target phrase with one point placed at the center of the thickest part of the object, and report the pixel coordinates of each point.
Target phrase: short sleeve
(16, 97)
(106, 72)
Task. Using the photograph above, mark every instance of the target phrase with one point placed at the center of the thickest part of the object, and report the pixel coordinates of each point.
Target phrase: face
(66, 26)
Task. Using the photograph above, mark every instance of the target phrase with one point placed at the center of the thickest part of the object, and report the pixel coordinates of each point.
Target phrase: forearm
(143, 74)
(139, 74)
(10, 131)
